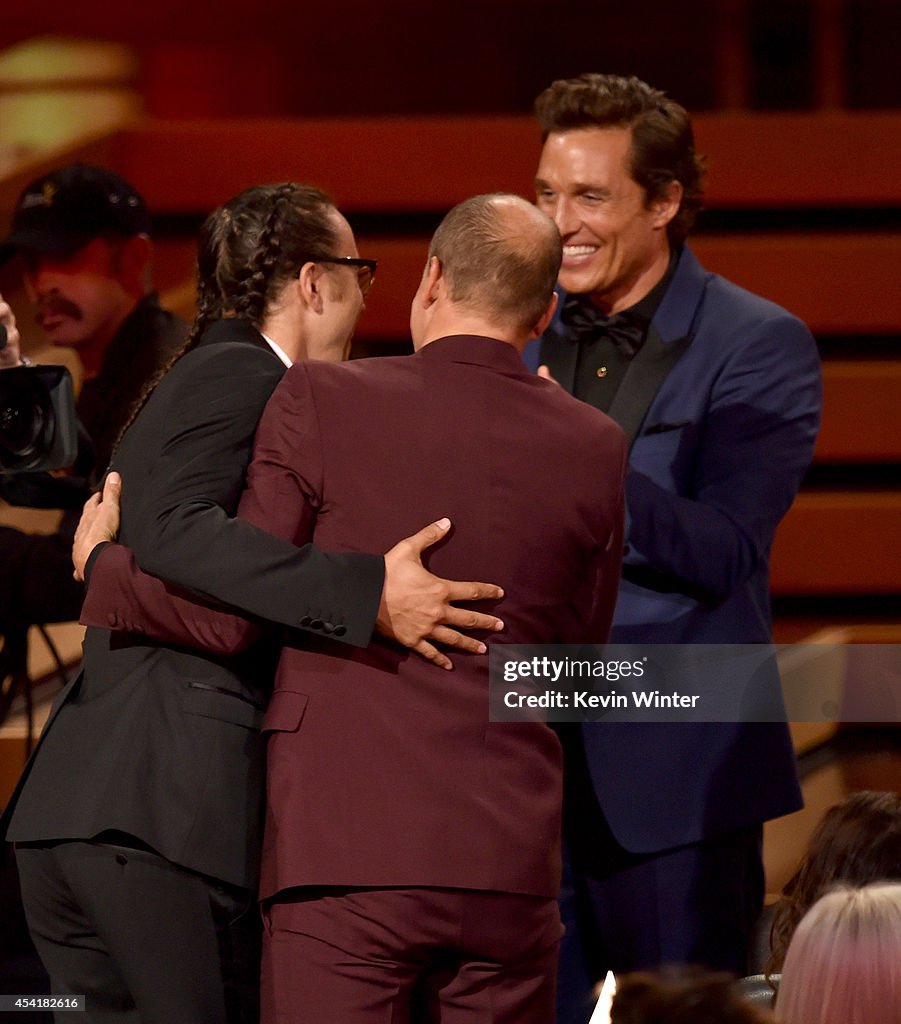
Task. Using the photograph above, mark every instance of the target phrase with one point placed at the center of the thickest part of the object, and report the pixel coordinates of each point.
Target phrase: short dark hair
(501, 257)
(663, 146)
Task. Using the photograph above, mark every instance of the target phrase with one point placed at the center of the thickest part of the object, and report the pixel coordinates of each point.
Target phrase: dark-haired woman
(857, 842)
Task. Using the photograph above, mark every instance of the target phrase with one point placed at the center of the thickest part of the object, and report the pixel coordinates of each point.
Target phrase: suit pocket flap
(198, 699)
(286, 711)
(664, 428)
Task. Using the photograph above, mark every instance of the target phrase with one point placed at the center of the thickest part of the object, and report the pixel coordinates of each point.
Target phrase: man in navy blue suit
(719, 393)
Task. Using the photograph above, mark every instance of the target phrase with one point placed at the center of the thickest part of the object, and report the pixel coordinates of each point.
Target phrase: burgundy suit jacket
(382, 769)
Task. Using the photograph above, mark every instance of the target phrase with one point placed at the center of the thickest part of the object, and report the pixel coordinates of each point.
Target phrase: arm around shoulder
(263, 565)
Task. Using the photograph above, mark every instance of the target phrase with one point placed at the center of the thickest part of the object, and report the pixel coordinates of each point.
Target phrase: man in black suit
(137, 823)
(367, 894)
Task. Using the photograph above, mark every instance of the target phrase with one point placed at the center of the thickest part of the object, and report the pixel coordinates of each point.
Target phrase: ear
(666, 205)
(427, 293)
(309, 283)
(434, 279)
(135, 256)
(546, 318)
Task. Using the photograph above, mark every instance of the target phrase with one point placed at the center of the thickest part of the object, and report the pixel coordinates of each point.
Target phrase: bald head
(500, 257)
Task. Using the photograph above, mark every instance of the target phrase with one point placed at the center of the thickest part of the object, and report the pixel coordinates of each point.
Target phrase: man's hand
(415, 605)
(9, 353)
(99, 522)
(544, 372)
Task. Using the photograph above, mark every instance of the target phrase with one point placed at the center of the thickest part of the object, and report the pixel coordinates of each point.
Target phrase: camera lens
(23, 417)
(38, 429)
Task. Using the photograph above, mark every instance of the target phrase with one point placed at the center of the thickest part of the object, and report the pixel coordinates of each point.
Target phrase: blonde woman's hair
(843, 965)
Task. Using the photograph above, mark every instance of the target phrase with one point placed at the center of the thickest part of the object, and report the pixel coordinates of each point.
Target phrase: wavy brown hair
(682, 995)
(663, 145)
(247, 250)
(857, 842)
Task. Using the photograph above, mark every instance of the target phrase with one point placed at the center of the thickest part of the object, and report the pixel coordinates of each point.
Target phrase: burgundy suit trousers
(391, 956)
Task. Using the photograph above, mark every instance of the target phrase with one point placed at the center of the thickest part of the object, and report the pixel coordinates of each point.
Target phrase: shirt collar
(278, 350)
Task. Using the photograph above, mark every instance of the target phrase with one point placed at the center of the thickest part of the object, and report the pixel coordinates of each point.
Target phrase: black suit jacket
(152, 740)
(374, 752)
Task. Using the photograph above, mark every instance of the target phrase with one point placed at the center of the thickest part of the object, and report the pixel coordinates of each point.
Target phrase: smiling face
(615, 246)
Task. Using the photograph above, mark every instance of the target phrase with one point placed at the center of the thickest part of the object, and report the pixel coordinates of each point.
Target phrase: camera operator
(81, 237)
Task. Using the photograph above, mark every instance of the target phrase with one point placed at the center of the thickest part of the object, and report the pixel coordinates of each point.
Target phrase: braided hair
(247, 250)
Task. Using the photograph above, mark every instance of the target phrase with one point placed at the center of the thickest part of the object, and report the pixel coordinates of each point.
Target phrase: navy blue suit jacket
(721, 408)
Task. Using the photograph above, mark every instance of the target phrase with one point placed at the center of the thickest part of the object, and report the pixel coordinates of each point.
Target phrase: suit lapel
(669, 336)
(642, 381)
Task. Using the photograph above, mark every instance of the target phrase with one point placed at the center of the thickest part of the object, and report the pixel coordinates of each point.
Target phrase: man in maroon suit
(410, 844)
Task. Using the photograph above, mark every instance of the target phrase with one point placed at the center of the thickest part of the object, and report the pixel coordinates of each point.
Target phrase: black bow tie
(586, 323)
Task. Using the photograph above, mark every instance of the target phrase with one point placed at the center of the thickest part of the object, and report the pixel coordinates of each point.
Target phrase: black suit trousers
(145, 941)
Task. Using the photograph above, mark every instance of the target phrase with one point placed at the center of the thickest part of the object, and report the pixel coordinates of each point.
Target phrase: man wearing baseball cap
(80, 234)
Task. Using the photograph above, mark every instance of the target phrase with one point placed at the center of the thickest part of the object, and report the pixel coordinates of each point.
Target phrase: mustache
(54, 304)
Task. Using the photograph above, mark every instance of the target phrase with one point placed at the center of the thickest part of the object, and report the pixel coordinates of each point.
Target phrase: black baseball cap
(61, 212)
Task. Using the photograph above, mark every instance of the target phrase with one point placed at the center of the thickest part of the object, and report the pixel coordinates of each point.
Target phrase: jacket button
(316, 624)
(327, 627)
(339, 630)
(306, 620)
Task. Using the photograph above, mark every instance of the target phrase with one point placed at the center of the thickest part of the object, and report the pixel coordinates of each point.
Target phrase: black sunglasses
(365, 269)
